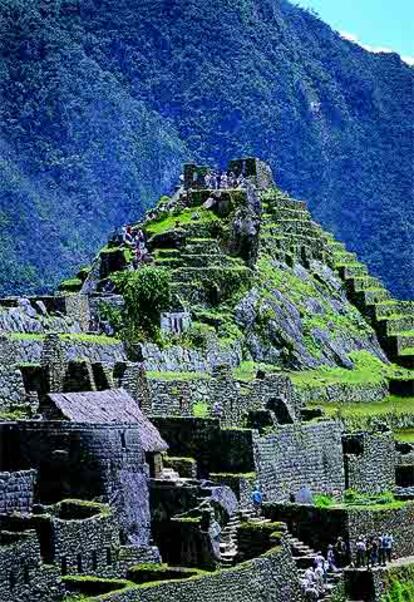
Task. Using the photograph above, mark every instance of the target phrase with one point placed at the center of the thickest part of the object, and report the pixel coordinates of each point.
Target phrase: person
(309, 575)
(360, 552)
(368, 552)
(232, 179)
(374, 551)
(213, 181)
(207, 180)
(388, 543)
(224, 181)
(330, 557)
(217, 410)
(320, 578)
(382, 555)
(257, 500)
(340, 552)
(319, 560)
(241, 181)
(128, 236)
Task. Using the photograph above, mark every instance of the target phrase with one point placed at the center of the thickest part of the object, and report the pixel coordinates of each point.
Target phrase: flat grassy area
(185, 217)
(246, 371)
(181, 376)
(393, 404)
(405, 435)
(97, 339)
(368, 370)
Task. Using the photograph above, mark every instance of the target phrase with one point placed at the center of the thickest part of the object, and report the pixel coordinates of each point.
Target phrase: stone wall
(399, 521)
(300, 455)
(86, 462)
(17, 491)
(23, 577)
(214, 449)
(319, 527)
(271, 577)
(383, 578)
(369, 462)
(29, 350)
(177, 396)
(340, 393)
(87, 545)
(77, 308)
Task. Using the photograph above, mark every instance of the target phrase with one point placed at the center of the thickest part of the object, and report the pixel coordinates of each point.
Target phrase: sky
(376, 24)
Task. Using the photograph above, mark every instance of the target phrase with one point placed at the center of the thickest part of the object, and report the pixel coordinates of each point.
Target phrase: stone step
(350, 270)
(405, 340)
(304, 562)
(405, 359)
(393, 308)
(362, 283)
(375, 295)
(396, 324)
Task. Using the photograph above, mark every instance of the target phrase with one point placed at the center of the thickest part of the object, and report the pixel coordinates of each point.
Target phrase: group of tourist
(373, 551)
(216, 180)
(315, 577)
(135, 240)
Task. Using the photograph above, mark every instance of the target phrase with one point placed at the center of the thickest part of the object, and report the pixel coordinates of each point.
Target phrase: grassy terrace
(73, 338)
(181, 376)
(397, 412)
(185, 217)
(368, 370)
(405, 435)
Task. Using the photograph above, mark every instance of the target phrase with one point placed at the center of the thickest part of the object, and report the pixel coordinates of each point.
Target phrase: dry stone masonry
(130, 460)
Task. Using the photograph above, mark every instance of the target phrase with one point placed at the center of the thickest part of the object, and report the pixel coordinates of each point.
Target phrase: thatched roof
(114, 406)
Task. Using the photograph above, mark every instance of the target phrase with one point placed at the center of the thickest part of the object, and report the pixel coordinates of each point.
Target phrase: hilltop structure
(224, 345)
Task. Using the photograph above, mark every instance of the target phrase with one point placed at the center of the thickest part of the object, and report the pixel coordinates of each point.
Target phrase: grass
(405, 435)
(393, 404)
(96, 339)
(246, 371)
(172, 376)
(184, 218)
(368, 370)
(200, 409)
(354, 500)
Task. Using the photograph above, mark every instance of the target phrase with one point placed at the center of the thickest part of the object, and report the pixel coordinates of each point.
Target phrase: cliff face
(102, 100)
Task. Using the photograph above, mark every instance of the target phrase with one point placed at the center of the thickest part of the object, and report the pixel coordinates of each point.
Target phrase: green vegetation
(355, 500)
(146, 293)
(180, 376)
(393, 409)
(368, 370)
(399, 583)
(98, 122)
(247, 370)
(71, 285)
(200, 409)
(187, 216)
(406, 435)
(92, 339)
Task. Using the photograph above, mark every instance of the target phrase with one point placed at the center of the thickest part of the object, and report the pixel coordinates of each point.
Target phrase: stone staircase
(304, 557)
(228, 538)
(392, 320)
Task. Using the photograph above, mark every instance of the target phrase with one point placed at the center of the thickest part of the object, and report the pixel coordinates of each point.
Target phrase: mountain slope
(213, 81)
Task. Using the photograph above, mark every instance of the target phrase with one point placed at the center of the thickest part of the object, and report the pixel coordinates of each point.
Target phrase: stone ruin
(121, 480)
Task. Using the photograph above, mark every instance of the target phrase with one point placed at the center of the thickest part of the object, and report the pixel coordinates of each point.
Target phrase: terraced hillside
(256, 271)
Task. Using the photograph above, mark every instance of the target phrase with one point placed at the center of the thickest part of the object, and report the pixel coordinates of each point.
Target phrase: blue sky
(374, 23)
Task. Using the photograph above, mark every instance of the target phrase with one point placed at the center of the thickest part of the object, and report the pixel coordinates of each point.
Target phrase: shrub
(146, 293)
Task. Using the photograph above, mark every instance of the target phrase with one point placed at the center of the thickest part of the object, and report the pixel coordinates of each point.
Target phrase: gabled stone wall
(87, 461)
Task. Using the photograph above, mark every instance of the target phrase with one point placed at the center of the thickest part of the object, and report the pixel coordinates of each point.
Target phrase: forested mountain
(101, 101)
